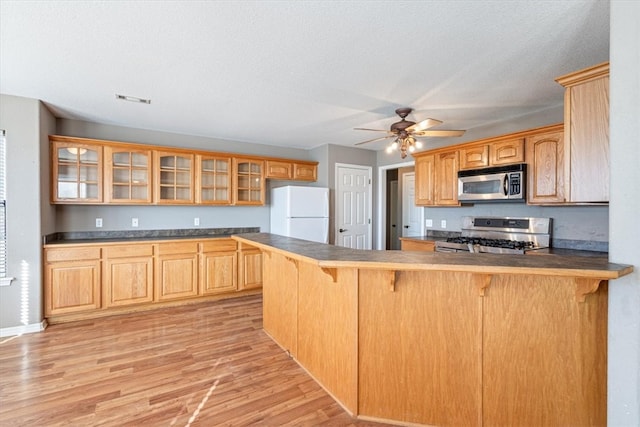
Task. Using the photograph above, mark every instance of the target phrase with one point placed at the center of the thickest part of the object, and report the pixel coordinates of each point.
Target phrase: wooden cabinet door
(218, 266)
(546, 176)
(174, 173)
(589, 141)
(176, 271)
(425, 175)
(249, 181)
(72, 287)
(76, 172)
(506, 152)
(279, 170)
(446, 179)
(474, 157)
(127, 175)
(128, 275)
(305, 172)
(213, 180)
(71, 280)
(218, 272)
(250, 269)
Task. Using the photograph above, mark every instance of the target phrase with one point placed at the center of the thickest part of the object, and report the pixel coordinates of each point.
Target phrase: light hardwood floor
(207, 364)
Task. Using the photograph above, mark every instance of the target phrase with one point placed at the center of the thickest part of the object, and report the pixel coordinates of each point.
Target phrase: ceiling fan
(405, 133)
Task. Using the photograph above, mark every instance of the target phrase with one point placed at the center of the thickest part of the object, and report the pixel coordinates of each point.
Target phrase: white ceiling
(296, 73)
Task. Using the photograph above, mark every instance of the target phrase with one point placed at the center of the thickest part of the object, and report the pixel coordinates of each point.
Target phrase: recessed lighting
(133, 99)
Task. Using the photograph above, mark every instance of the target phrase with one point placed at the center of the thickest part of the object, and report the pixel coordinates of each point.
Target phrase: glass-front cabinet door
(248, 181)
(174, 177)
(127, 175)
(213, 180)
(77, 172)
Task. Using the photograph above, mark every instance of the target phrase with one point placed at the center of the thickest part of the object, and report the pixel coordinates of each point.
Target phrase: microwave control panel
(515, 186)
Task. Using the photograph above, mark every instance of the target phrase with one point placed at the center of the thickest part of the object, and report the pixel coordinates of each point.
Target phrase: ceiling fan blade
(425, 124)
(375, 139)
(374, 130)
(439, 133)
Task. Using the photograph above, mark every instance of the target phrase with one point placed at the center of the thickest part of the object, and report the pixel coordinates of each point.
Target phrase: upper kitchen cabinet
(213, 180)
(174, 175)
(492, 153)
(425, 175)
(437, 178)
(76, 171)
(127, 175)
(294, 170)
(249, 181)
(446, 178)
(586, 134)
(545, 160)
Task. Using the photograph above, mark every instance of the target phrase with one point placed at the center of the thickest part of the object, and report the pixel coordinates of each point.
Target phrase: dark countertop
(119, 236)
(329, 256)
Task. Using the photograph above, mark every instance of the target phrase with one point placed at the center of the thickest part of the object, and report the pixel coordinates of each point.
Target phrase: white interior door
(353, 206)
(411, 214)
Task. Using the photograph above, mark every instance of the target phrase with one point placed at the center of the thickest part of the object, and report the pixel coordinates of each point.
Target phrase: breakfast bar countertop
(330, 256)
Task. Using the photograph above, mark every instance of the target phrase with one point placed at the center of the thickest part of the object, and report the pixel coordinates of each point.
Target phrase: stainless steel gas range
(499, 235)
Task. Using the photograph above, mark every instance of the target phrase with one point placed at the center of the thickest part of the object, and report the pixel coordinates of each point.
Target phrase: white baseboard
(26, 329)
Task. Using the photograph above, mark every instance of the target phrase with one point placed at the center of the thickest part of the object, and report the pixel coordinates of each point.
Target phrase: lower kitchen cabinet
(414, 244)
(71, 280)
(176, 270)
(128, 275)
(218, 267)
(85, 281)
(250, 270)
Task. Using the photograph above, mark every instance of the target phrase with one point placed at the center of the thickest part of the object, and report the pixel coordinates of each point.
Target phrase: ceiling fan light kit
(406, 131)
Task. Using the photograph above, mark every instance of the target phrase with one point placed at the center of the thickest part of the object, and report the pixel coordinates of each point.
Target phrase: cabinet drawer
(72, 254)
(128, 251)
(219, 245)
(177, 248)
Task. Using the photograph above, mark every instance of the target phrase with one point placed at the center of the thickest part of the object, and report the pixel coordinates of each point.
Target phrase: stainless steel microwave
(499, 183)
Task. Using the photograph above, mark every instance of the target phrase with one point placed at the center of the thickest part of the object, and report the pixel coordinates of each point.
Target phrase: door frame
(381, 237)
(369, 170)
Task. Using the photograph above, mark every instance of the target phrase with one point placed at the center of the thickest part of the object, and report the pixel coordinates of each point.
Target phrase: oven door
(484, 187)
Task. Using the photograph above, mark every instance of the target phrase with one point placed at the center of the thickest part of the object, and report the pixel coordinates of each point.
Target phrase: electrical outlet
(443, 223)
(196, 221)
(98, 222)
(134, 222)
(428, 223)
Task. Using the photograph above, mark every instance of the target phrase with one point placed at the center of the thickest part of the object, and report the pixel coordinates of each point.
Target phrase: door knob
(406, 226)
(342, 230)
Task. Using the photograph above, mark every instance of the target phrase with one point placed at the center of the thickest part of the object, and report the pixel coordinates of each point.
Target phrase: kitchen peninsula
(441, 338)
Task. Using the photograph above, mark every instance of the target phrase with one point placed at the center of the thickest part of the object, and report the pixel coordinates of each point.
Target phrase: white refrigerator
(301, 212)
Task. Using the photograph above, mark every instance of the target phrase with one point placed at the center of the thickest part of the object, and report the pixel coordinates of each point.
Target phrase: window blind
(3, 206)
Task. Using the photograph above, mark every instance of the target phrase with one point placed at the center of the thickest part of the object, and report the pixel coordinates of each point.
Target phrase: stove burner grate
(495, 243)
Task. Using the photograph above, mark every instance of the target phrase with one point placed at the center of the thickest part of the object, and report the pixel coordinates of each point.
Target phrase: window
(3, 206)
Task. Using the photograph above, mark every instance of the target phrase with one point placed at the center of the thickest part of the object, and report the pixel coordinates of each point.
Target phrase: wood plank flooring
(207, 364)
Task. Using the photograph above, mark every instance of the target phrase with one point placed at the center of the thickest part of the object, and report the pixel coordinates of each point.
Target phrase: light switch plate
(443, 223)
(428, 223)
(134, 222)
(98, 222)
(196, 221)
